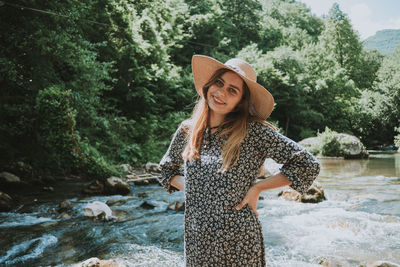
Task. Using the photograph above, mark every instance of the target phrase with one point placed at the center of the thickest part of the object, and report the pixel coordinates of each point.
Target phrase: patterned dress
(215, 233)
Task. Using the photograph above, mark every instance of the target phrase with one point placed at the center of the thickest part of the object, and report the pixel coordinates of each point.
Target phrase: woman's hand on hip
(251, 198)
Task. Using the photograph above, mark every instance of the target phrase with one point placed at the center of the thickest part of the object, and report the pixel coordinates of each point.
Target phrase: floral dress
(215, 233)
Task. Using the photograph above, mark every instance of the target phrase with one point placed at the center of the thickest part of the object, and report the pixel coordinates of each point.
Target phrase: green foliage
(93, 164)
(85, 97)
(330, 145)
(56, 127)
(397, 137)
(385, 41)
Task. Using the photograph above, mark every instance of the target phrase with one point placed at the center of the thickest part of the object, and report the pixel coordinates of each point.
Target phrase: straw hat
(261, 101)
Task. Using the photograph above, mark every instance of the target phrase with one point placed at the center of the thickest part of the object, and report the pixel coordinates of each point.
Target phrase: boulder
(128, 169)
(94, 188)
(382, 264)
(6, 202)
(96, 262)
(152, 167)
(314, 194)
(10, 181)
(20, 169)
(351, 146)
(7, 177)
(115, 185)
(98, 211)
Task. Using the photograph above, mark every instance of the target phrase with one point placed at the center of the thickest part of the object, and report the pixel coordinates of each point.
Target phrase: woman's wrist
(178, 181)
(275, 181)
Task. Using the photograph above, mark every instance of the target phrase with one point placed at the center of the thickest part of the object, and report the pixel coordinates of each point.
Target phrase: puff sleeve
(171, 163)
(299, 165)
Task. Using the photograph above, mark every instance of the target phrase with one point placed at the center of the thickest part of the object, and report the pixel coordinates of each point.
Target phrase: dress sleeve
(299, 165)
(171, 163)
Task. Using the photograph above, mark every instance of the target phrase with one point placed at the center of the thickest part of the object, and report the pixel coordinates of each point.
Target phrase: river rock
(351, 146)
(95, 188)
(314, 194)
(332, 262)
(141, 182)
(48, 188)
(177, 206)
(64, 206)
(148, 205)
(20, 169)
(7, 177)
(113, 202)
(382, 264)
(128, 169)
(270, 168)
(152, 167)
(96, 262)
(115, 185)
(142, 195)
(98, 210)
(11, 181)
(6, 202)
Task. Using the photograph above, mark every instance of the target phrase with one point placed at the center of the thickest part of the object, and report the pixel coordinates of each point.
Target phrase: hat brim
(203, 67)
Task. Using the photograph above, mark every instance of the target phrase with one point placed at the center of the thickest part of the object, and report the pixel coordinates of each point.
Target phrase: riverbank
(358, 223)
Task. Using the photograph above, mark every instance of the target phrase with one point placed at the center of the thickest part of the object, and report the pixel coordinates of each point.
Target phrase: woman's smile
(217, 100)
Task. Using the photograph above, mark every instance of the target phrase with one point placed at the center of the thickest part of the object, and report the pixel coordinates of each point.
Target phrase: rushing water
(359, 222)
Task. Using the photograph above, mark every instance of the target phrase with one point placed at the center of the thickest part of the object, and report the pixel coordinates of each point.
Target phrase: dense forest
(88, 85)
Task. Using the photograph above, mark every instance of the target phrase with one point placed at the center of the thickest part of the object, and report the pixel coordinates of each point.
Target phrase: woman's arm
(178, 181)
(251, 197)
(171, 163)
(300, 167)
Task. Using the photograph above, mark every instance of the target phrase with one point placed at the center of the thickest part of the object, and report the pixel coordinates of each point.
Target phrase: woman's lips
(218, 101)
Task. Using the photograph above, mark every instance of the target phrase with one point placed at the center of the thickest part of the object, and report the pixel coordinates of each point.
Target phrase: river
(359, 222)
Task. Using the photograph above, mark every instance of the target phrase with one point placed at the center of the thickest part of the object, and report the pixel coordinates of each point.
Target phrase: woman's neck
(215, 119)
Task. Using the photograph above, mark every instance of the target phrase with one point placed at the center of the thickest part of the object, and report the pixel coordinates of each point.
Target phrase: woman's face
(225, 93)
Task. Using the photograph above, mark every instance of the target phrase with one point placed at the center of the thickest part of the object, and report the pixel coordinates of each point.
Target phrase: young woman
(215, 157)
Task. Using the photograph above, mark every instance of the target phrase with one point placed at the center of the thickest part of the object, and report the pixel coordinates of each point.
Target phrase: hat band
(237, 69)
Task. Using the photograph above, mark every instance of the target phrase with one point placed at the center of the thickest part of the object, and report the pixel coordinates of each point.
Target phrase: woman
(215, 157)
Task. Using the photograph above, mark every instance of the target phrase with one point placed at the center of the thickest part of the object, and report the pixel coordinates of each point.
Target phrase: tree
(340, 39)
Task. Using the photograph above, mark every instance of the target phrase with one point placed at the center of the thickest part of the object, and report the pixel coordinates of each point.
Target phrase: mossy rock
(336, 145)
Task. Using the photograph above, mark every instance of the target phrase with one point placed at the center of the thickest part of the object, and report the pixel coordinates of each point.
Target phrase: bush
(397, 137)
(61, 145)
(329, 144)
(56, 128)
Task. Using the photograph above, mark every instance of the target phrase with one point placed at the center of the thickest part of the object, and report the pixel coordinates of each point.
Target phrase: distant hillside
(385, 41)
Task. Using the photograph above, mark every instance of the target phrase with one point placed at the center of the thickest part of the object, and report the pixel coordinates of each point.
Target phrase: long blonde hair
(236, 121)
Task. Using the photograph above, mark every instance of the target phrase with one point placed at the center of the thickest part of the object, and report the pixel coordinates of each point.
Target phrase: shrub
(397, 137)
(329, 144)
(62, 148)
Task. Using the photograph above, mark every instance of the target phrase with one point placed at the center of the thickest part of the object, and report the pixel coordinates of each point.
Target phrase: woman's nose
(222, 90)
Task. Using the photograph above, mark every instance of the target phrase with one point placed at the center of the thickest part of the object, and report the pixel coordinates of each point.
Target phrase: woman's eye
(219, 83)
(233, 91)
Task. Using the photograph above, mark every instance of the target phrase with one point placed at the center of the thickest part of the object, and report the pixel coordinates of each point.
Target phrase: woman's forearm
(275, 181)
(178, 181)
